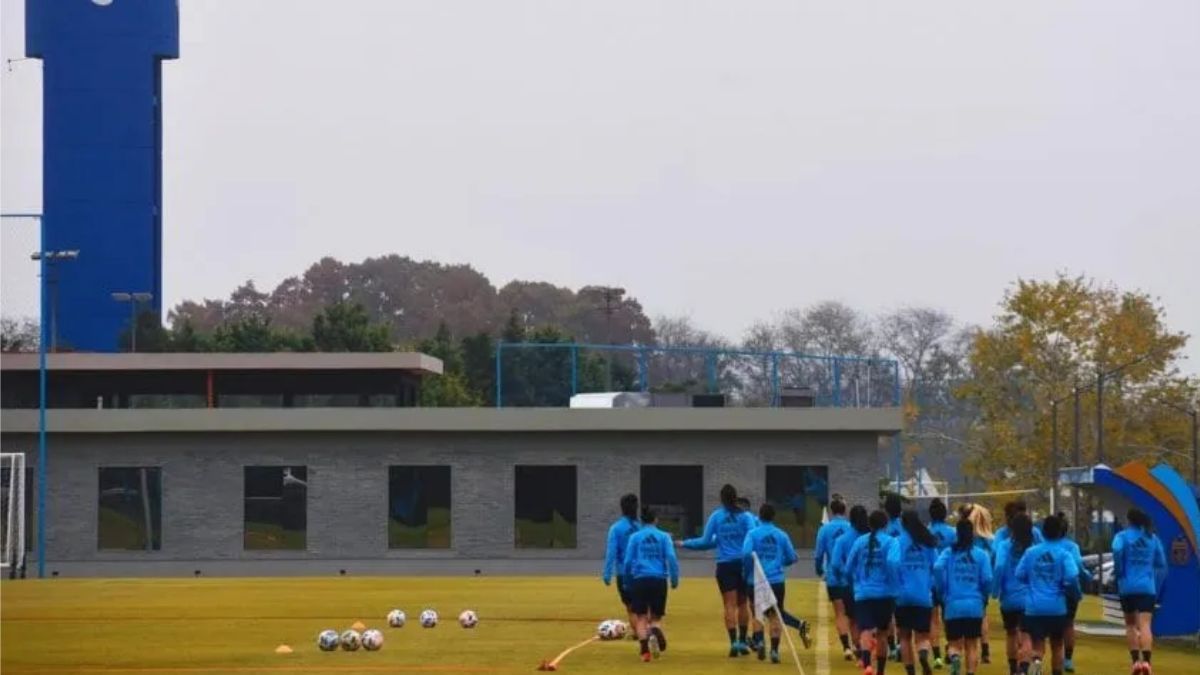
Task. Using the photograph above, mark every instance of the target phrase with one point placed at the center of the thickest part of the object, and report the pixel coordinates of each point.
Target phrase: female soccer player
(649, 563)
(1050, 572)
(838, 575)
(911, 558)
(827, 536)
(775, 553)
(963, 575)
(614, 553)
(726, 531)
(1085, 577)
(981, 521)
(1140, 564)
(874, 593)
(1012, 592)
(945, 537)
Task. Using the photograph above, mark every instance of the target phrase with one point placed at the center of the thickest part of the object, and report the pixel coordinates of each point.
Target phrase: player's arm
(630, 557)
(673, 566)
(985, 574)
(820, 551)
(1071, 577)
(939, 572)
(1001, 565)
(707, 540)
(789, 551)
(610, 556)
(1118, 552)
(1022, 571)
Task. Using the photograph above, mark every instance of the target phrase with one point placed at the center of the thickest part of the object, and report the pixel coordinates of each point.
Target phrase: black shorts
(1012, 619)
(914, 618)
(729, 577)
(1072, 608)
(1139, 603)
(1042, 627)
(779, 590)
(963, 629)
(648, 595)
(874, 613)
(623, 591)
(837, 592)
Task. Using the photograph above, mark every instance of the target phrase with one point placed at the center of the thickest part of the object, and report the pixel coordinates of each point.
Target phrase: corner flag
(764, 597)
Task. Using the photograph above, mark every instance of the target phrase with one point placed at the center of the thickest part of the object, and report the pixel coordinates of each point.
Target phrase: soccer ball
(372, 640)
(607, 630)
(468, 619)
(351, 640)
(429, 618)
(622, 628)
(328, 640)
(396, 618)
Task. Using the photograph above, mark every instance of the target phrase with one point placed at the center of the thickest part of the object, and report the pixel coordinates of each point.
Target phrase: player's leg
(1145, 636)
(954, 645)
(922, 643)
(639, 594)
(658, 610)
(626, 600)
(1056, 652)
(1069, 637)
(985, 647)
(935, 635)
(842, 622)
(729, 584)
(906, 649)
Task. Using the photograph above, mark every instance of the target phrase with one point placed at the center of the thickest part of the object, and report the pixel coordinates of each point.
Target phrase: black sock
(645, 646)
(985, 650)
(732, 635)
(1012, 665)
(1133, 656)
(923, 657)
(845, 640)
(742, 630)
(774, 644)
(1057, 671)
(937, 652)
(864, 655)
(758, 637)
(880, 665)
(891, 642)
(910, 669)
(1023, 667)
(1068, 652)
(1146, 655)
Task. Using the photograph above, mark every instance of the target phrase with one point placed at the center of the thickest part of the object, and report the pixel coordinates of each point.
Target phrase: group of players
(894, 581)
(642, 560)
(888, 574)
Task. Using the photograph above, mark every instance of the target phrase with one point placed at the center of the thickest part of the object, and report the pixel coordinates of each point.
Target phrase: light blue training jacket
(725, 531)
(867, 567)
(774, 549)
(1006, 587)
(912, 569)
(651, 555)
(1002, 535)
(837, 574)
(963, 579)
(945, 534)
(827, 536)
(1049, 570)
(614, 552)
(1139, 562)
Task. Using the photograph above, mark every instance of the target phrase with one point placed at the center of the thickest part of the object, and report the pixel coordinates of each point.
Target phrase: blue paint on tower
(102, 154)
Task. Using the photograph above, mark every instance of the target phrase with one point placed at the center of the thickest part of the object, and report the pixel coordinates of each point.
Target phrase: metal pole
(776, 394)
(42, 459)
(1195, 449)
(1076, 460)
(132, 326)
(574, 370)
(1053, 457)
(1099, 418)
(499, 376)
(53, 310)
(837, 383)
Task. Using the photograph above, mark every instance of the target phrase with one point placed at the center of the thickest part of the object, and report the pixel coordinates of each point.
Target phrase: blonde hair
(981, 520)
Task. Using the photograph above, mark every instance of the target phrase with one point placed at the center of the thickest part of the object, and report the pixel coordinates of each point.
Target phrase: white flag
(764, 597)
(824, 515)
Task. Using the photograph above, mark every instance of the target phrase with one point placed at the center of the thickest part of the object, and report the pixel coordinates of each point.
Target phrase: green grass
(558, 533)
(435, 533)
(233, 625)
(268, 536)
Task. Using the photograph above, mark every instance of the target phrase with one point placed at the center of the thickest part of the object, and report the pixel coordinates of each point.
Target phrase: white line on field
(822, 630)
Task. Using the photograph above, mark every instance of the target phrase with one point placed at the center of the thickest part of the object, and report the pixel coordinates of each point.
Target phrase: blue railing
(549, 373)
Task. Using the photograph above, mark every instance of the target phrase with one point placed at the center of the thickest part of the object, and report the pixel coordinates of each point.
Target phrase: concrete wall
(202, 476)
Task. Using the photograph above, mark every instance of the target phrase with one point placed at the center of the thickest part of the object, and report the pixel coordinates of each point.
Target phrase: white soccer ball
(351, 640)
(622, 628)
(468, 619)
(607, 630)
(372, 640)
(429, 618)
(396, 618)
(328, 640)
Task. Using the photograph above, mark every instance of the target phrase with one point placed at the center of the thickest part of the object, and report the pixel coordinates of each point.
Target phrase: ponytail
(965, 533)
(729, 498)
(1021, 527)
(917, 530)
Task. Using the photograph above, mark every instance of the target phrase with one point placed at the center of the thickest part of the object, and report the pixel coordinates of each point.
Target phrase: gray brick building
(412, 490)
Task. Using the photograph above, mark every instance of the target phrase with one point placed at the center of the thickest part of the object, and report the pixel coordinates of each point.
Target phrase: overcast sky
(723, 159)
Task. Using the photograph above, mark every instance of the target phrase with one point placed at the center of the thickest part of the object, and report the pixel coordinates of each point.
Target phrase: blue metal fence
(747, 377)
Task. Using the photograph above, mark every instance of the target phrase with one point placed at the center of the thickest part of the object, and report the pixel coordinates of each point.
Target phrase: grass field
(233, 626)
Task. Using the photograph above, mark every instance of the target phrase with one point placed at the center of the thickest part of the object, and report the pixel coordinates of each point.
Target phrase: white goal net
(12, 503)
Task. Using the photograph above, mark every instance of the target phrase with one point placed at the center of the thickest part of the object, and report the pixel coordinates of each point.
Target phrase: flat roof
(87, 421)
(87, 361)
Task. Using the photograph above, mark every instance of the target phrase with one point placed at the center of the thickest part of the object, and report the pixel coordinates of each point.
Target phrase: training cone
(358, 626)
(283, 649)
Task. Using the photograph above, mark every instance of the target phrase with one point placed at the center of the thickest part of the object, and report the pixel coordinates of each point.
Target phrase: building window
(676, 493)
(798, 493)
(545, 507)
(418, 507)
(130, 513)
(276, 508)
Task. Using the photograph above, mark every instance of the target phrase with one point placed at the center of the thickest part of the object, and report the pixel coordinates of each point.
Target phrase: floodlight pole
(134, 299)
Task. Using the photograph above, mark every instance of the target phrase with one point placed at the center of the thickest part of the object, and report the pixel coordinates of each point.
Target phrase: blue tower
(102, 155)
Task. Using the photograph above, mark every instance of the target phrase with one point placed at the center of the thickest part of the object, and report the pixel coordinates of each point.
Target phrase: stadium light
(134, 299)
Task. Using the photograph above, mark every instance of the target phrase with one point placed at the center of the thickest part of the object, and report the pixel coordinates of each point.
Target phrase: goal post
(12, 502)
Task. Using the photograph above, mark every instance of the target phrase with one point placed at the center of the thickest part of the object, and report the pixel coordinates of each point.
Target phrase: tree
(254, 334)
(479, 366)
(345, 327)
(913, 335)
(151, 336)
(18, 334)
(1049, 336)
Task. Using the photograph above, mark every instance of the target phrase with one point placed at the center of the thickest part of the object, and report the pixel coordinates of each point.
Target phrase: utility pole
(134, 299)
(612, 296)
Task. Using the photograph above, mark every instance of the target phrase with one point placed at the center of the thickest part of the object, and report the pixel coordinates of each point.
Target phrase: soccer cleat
(1146, 669)
(1035, 668)
(894, 653)
(743, 649)
(733, 650)
(868, 670)
(847, 653)
(956, 665)
(804, 636)
(774, 656)
(762, 651)
(646, 657)
(659, 637)
(655, 649)
(1069, 665)
(937, 663)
